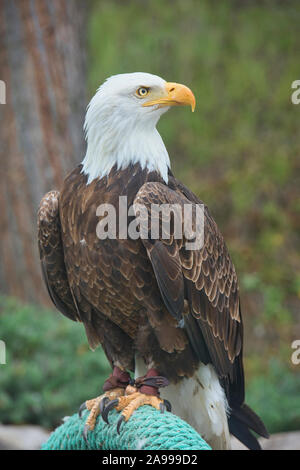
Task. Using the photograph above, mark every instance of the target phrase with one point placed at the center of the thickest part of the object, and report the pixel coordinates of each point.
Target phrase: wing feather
(206, 278)
(52, 256)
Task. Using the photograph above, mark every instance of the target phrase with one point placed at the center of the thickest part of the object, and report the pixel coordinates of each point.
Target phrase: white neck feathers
(116, 137)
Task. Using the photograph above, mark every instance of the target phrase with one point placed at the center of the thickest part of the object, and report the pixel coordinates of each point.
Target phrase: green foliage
(274, 395)
(49, 369)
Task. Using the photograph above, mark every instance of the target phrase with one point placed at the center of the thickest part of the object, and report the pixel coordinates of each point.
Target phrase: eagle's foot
(144, 392)
(129, 403)
(114, 387)
(96, 407)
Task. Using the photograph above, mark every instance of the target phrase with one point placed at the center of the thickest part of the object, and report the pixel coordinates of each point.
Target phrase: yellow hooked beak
(175, 95)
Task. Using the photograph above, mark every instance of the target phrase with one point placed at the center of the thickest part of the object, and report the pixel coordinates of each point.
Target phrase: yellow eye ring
(142, 92)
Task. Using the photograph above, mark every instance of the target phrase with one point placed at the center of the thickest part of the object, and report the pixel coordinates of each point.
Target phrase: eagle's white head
(121, 119)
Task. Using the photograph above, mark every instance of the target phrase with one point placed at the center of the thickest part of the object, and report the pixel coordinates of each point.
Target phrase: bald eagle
(170, 315)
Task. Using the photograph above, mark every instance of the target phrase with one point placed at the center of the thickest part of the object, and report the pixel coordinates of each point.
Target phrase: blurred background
(239, 152)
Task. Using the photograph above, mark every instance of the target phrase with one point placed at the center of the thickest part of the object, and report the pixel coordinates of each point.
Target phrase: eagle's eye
(142, 92)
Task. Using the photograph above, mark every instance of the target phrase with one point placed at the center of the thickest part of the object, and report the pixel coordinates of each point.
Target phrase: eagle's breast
(111, 276)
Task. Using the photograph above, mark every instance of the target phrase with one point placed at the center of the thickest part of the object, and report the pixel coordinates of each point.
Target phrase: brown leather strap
(151, 382)
(157, 381)
(118, 379)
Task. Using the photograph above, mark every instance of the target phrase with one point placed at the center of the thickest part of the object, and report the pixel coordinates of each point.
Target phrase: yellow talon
(129, 403)
(93, 406)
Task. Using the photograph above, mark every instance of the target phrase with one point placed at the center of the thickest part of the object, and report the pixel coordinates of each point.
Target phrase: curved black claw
(168, 405)
(108, 408)
(103, 403)
(120, 421)
(81, 409)
(85, 433)
(165, 406)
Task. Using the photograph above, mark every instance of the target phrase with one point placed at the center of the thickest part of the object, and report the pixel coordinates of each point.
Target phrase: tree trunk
(42, 63)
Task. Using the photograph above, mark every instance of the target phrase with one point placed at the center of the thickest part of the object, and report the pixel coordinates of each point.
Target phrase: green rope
(147, 429)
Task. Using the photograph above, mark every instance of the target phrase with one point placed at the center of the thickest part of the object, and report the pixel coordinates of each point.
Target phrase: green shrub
(49, 369)
(274, 395)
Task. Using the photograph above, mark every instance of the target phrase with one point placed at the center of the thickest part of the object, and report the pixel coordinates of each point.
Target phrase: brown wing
(52, 256)
(206, 279)
(113, 340)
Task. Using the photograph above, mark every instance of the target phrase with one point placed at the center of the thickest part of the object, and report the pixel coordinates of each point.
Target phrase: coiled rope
(147, 429)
